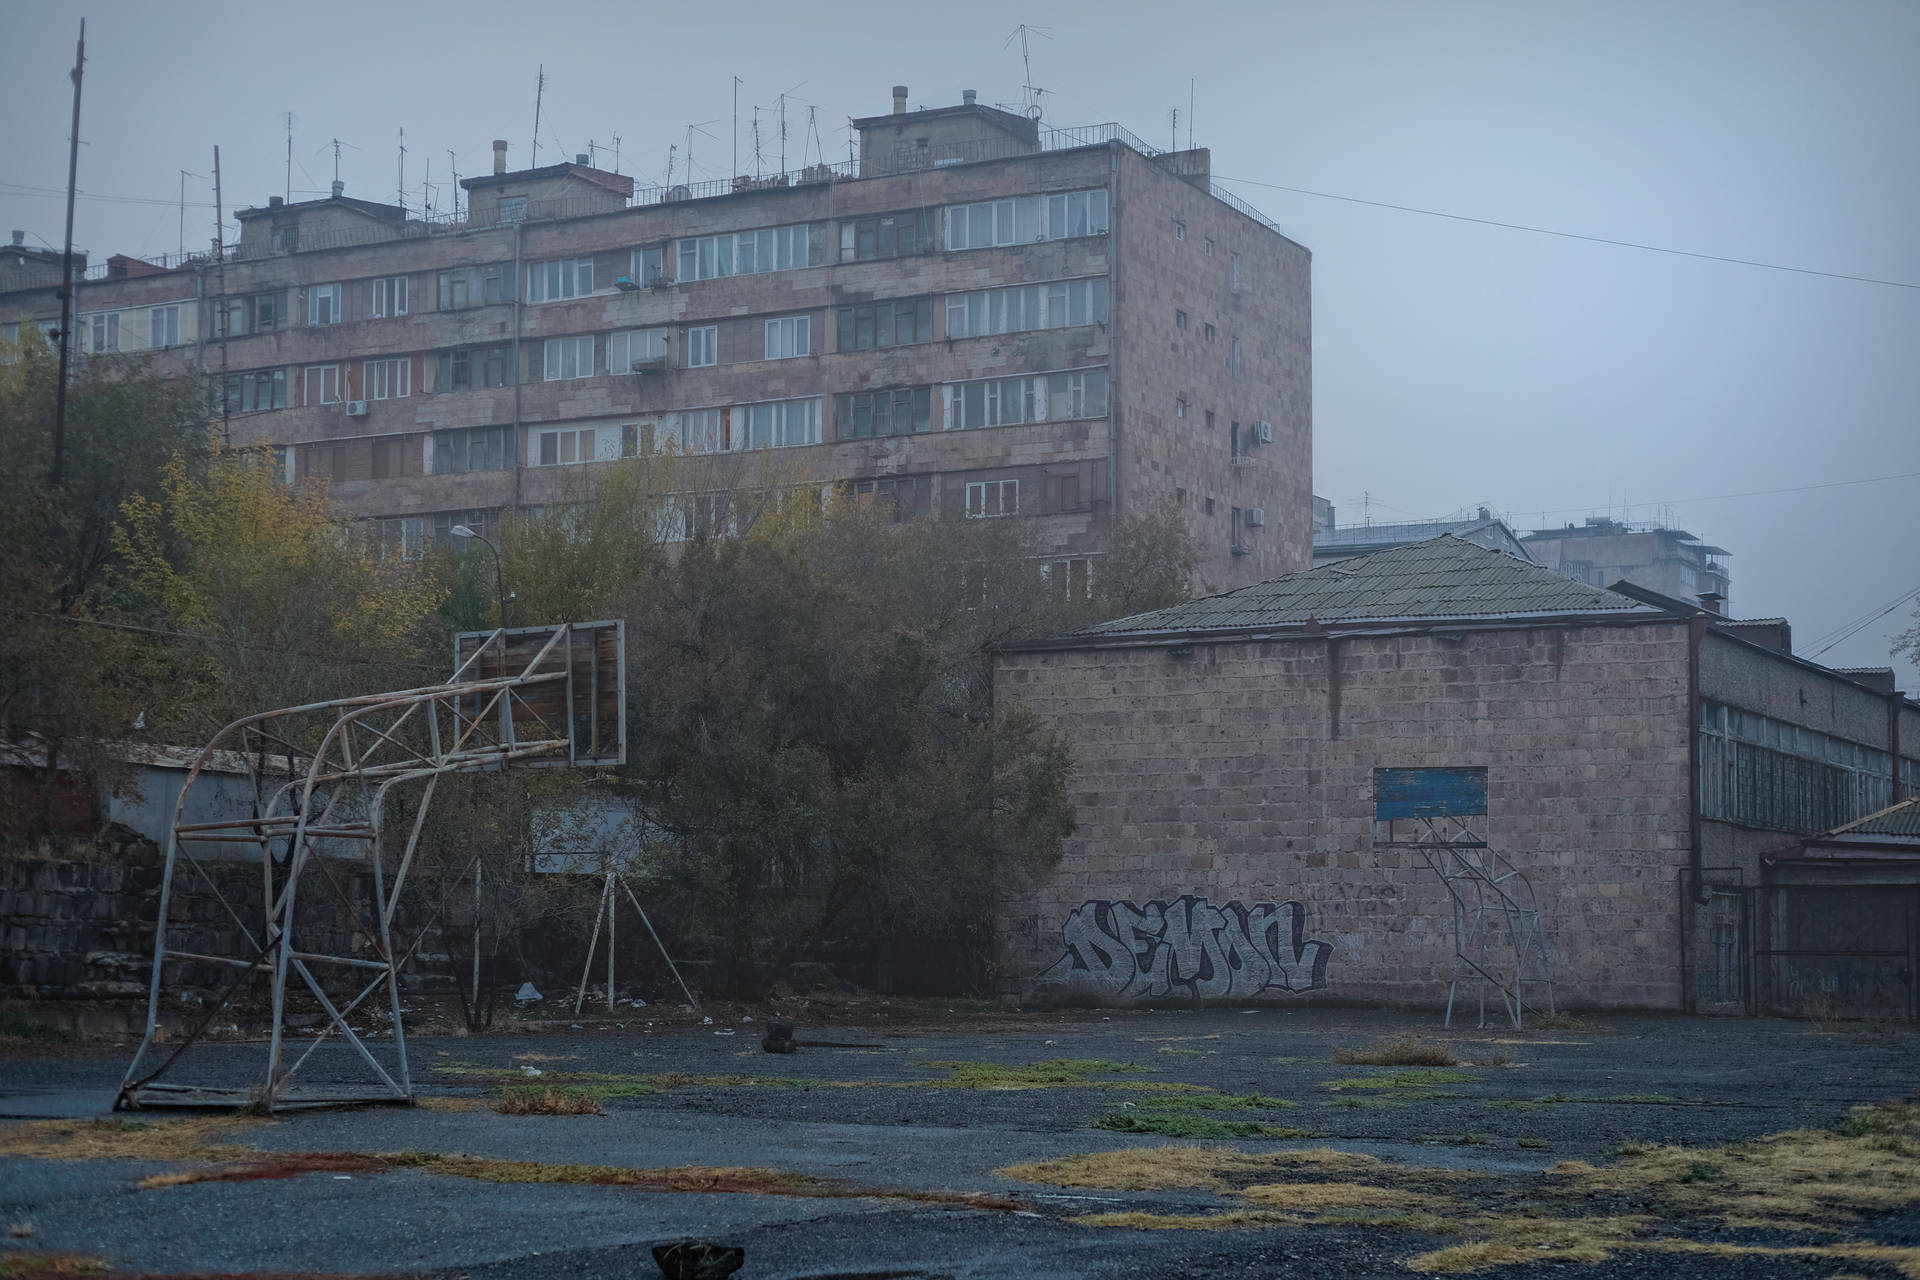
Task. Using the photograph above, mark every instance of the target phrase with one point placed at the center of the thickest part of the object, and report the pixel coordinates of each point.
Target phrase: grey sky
(1454, 364)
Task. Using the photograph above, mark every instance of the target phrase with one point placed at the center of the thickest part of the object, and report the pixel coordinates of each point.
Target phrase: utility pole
(66, 270)
(539, 92)
(223, 317)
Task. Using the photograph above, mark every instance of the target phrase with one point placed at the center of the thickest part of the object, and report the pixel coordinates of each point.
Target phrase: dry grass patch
(452, 1104)
(1178, 1166)
(192, 1138)
(269, 1169)
(47, 1266)
(552, 1100)
(1513, 1240)
(1231, 1220)
(1318, 1197)
(1402, 1051)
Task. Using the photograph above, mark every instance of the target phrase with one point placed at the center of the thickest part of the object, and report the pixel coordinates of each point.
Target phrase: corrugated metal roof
(1442, 577)
(1902, 819)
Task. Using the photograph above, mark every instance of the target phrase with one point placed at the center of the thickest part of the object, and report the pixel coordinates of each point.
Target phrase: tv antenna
(700, 129)
(673, 150)
(403, 170)
(616, 153)
(781, 103)
(288, 117)
(453, 163)
(1021, 33)
(813, 137)
(539, 92)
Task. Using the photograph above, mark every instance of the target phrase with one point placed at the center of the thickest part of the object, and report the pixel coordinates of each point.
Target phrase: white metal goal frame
(325, 772)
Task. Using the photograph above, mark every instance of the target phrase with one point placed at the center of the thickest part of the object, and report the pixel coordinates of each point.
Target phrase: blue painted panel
(1414, 793)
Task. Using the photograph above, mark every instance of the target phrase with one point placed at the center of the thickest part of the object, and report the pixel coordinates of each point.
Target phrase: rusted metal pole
(66, 271)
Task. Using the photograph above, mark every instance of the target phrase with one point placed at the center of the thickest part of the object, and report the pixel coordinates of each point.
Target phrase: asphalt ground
(901, 1159)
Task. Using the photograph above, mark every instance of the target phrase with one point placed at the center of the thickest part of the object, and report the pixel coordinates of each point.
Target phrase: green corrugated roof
(1902, 819)
(1442, 577)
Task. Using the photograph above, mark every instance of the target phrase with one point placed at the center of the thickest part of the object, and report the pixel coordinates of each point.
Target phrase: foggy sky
(1454, 364)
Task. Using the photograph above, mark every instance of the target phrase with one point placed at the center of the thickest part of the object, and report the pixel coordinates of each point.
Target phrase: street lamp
(499, 575)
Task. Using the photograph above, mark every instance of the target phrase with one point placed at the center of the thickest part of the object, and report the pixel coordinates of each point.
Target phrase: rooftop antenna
(756, 142)
(1026, 60)
(426, 188)
(851, 131)
(782, 101)
(66, 265)
(692, 129)
(453, 163)
(1176, 130)
(184, 175)
(813, 137)
(736, 128)
(673, 149)
(539, 92)
(1190, 83)
(287, 116)
(403, 171)
(616, 153)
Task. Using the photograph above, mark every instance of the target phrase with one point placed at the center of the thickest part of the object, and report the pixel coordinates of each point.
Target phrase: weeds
(1418, 1080)
(1402, 1051)
(553, 1100)
(1557, 1022)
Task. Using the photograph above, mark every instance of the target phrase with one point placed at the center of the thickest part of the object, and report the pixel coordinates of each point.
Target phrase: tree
(63, 669)
(257, 596)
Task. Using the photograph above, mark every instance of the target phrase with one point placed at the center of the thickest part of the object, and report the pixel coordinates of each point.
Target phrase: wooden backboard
(588, 707)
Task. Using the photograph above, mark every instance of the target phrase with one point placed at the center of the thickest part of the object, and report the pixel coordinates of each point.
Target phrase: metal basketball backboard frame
(323, 774)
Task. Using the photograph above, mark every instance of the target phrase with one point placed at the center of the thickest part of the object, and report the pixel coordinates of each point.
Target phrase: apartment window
(1179, 319)
(493, 285)
(257, 390)
(286, 237)
(1233, 272)
(789, 336)
(555, 281)
(898, 412)
(1236, 363)
(472, 370)
(703, 346)
(781, 424)
(402, 537)
(1179, 229)
(558, 448)
(484, 523)
(1034, 306)
(890, 235)
(1233, 531)
(396, 456)
(455, 290)
(636, 347)
(1179, 408)
(1063, 493)
(387, 379)
(324, 462)
(1233, 441)
(744, 254)
(104, 333)
(471, 449)
(988, 498)
(1209, 419)
(647, 266)
(513, 208)
(389, 297)
(907, 497)
(323, 304)
(1076, 213)
(1208, 332)
(1000, 402)
(702, 430)
(322, 384)
(254, 313)
(569, 358)
(1070, 579)
(163, 326)
(1209, 506)
(886, 324)
(1209, 246)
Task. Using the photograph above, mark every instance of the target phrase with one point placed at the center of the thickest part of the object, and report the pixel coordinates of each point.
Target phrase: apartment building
(978, 318)
(1603, 551)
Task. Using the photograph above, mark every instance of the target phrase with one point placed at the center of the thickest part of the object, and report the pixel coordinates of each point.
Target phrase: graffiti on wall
(1188, 948)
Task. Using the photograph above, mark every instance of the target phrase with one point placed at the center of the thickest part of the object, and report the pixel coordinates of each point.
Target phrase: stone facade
(1245, 774)
(1205, 305)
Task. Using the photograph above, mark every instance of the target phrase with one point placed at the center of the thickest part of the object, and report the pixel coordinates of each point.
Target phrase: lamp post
(499, 574)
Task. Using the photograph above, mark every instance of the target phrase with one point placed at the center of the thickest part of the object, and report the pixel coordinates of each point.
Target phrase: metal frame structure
(1488, 893)
(325, 772)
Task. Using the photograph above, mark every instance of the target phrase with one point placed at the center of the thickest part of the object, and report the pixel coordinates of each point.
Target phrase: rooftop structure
(1604, 550)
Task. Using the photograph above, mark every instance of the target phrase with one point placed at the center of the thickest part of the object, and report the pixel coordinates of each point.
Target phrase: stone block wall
(1245, 775)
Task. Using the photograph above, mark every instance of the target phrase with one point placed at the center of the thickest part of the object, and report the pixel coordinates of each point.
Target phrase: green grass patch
(1052, 1073)
(1530, 1144)
(1214, 1102)
(18, 1031)
(1369, 1104)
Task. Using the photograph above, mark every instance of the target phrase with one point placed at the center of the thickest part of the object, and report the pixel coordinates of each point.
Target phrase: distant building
(1604, 551)
(1331, 542)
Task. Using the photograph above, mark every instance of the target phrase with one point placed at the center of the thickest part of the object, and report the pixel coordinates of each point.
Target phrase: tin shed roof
(1443, 577)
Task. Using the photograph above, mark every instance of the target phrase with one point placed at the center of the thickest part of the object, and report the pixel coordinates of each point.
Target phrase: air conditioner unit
(1256, 517)
(356, 408)
(1263, 432)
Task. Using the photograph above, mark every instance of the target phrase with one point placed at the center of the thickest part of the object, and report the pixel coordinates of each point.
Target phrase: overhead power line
(1573, 235)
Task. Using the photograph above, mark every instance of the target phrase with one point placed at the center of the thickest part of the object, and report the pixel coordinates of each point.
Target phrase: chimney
(274, 202)
(967, 96)
(19, 238)
(899, 99)
(1485, 514)
(499, 155)
(1711, 601)
(339, 188)
(583, 159)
